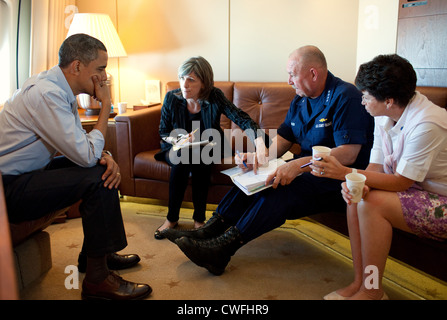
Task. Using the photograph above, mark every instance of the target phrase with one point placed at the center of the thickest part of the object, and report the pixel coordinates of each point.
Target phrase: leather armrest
(135, 132)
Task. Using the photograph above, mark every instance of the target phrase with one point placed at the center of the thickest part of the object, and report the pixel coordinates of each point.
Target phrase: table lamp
(99, 26)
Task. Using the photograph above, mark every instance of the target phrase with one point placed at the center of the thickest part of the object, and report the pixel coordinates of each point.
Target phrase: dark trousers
(178, 181)
(33, 195)
(200, 180)
(266, 210)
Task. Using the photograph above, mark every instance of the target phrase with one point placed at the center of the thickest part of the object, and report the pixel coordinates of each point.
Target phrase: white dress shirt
(41, 119)
(421, 135)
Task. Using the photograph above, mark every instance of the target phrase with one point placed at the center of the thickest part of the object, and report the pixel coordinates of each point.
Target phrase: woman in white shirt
(406, 185)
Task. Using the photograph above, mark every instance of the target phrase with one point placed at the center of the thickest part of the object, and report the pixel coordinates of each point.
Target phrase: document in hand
(249, 182)
(183, 142)
(190, 144)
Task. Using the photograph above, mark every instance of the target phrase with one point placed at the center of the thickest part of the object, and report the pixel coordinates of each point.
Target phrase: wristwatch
(107, 152)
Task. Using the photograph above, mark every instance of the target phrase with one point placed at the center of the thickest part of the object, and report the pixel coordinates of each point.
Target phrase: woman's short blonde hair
(201, 67)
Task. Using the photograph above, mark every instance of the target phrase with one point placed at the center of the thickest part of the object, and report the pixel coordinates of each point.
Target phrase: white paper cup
(355, 183)
(122, 107)
(84, 100)
(320, 151)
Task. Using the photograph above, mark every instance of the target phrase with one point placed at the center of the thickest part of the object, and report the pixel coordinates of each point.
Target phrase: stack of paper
(251, 183)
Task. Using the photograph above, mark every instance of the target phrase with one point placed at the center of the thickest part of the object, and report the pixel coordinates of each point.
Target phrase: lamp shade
(99, 26)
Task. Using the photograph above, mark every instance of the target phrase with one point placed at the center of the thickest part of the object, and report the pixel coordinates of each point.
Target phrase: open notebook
(249, 182)
(183, 142)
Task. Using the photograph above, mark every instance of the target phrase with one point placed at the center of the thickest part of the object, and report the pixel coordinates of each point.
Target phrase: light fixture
(99, 26)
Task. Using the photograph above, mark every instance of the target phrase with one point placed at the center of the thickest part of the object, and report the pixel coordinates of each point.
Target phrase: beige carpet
(284, 264)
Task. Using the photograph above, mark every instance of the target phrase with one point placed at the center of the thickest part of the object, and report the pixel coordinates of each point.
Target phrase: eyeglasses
(367, 98)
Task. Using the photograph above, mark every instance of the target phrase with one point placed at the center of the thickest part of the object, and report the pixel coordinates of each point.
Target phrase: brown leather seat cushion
(21, 231)
(145, 166)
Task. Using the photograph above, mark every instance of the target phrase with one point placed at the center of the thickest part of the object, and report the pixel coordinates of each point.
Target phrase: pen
(309, 163)
(188, 135)
(239, 155)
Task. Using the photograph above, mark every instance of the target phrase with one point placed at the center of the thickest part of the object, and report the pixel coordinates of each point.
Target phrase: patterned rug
(283, 264)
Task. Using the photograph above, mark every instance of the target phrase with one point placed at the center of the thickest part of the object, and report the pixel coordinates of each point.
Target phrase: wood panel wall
(422, 39)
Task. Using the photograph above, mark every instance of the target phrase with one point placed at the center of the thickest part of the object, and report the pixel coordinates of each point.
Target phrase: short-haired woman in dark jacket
(195, 107)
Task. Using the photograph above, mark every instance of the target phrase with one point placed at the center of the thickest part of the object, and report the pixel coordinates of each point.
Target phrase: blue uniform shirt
(335, 118)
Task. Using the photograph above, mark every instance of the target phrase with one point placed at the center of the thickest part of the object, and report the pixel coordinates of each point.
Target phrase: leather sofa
(138, 139)
(267, 103)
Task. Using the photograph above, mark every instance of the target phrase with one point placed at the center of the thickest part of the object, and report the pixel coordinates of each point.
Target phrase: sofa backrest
(265, 102)
(437, 95)
(227, 88)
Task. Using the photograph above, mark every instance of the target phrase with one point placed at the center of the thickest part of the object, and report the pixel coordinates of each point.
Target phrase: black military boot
(212, 228)
(213, 254)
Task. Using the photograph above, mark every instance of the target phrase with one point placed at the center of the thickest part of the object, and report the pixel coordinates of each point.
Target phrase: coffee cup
(320, 151)
(355, 182)
(122, 107)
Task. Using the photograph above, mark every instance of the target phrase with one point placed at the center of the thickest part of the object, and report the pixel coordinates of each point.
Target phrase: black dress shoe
(114, 288)
(114, 261)
(159, 234)
(119, 262)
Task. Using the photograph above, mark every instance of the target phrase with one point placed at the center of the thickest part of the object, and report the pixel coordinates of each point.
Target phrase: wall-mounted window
(15, 22)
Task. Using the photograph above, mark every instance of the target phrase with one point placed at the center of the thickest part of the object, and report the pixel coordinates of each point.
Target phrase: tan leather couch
(267, 103)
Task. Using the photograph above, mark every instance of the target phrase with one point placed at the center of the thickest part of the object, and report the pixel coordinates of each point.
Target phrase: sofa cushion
(267, 103)
(23, 230)
(145, 166)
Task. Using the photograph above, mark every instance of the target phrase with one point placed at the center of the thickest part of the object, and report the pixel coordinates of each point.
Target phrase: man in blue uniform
(327, 112)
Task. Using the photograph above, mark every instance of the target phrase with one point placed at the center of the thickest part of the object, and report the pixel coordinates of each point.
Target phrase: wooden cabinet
(422, 39)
